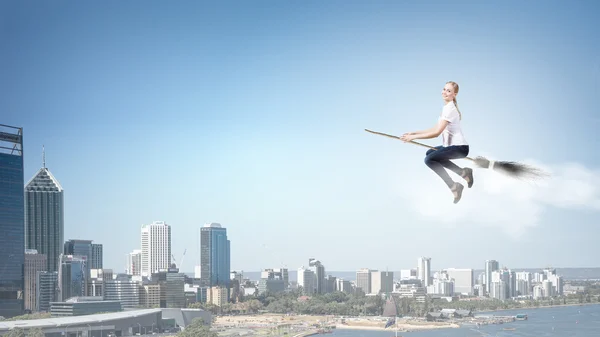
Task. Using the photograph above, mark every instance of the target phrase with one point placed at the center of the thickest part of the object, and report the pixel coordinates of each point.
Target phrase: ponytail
(456, 104)
(455, 85)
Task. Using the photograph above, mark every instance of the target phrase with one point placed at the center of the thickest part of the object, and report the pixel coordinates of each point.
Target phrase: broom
(510, 168)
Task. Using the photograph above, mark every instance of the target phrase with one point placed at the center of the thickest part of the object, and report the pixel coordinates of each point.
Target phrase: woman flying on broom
(454, 145)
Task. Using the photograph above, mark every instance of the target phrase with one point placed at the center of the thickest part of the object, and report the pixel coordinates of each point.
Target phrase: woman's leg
(454, 152)
(439, 159)
(430, 151)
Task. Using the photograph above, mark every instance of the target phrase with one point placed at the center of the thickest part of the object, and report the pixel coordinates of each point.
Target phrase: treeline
(37, 315)
(342, 304)
(20, 332)
(336, 303)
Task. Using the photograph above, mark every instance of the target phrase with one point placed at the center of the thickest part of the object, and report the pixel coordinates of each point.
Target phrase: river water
(568, 321)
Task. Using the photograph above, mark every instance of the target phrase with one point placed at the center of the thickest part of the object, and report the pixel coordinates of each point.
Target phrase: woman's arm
(422, 131)
(426, 134)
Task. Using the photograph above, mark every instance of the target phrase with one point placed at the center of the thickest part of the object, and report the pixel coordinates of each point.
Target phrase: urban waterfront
(572, 321)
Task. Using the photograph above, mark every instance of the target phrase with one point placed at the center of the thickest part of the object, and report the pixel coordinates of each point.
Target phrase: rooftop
(75, 320)
(84, 299)
(43, 181)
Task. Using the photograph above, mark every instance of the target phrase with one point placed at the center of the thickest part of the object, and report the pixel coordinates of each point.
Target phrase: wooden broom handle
(412, 141)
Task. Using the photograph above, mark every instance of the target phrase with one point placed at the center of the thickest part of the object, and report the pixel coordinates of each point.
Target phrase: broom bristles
(511, 168)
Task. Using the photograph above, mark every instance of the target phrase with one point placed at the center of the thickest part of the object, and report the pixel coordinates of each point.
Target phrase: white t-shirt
(452, 134)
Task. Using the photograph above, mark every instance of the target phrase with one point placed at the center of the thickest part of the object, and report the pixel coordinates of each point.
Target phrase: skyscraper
(319, 270)
(34, 263)
(72, 277)
(424, 270)
(490, 266)
(79, 248)
(306, 280)
(44, 216)
(97, 257)
(363, 280)
(134, 263)
(47, 289)
(214, 255)
(156, 247)
(12, 234)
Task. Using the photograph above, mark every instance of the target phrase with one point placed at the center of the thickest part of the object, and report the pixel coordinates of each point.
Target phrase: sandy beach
(301, 322)
(404, 327)
(401, 325)
(538, 307)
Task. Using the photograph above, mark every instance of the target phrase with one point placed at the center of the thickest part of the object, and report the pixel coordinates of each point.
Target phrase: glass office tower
(12, 222)
(214, 256)
(44, 216)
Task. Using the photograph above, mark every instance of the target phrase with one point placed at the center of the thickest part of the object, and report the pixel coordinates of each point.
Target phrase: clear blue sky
(251, 114)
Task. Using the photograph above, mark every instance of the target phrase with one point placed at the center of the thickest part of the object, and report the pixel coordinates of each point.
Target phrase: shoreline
(539, 307)
(312, 324)
(402, 327)
(308, 324)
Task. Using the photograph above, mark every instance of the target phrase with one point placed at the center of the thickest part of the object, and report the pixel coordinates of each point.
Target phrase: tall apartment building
(490, 267)
(217, 296)
(306, 280)
(134, 263)
(319, 270)
(501, 284)
(156, 247)
(34, 263)
(97, 256)
(47, 290)
(363, 280)
(424, 270)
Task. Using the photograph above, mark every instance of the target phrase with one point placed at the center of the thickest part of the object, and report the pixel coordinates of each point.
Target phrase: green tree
(30, 316)
(226, 308)
(197, 328)
(16, 332)
(255, 306)
(195, 305)
(212, 308)
(35, 332)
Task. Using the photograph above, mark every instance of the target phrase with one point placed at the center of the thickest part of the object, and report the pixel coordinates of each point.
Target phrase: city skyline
(262, 129)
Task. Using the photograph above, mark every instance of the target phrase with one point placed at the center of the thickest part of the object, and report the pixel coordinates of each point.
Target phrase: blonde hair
(455, 85)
